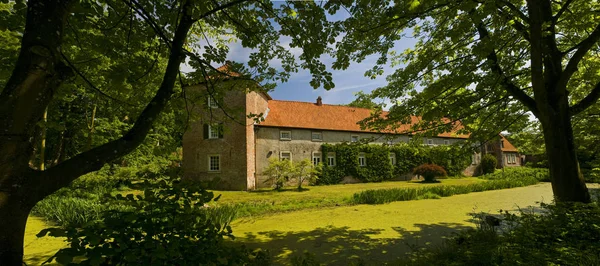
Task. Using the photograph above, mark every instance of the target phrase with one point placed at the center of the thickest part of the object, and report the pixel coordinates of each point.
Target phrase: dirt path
(375, 234)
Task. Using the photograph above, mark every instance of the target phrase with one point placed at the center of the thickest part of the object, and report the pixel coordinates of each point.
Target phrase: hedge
(381, 196)
(379, 168)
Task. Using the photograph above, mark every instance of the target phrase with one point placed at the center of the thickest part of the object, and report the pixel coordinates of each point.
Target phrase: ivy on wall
(378, 165)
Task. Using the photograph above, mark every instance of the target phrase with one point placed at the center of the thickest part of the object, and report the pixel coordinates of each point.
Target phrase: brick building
(235, 148)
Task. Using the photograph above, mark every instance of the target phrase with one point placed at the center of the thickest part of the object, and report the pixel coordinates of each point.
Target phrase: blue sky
(347, 82)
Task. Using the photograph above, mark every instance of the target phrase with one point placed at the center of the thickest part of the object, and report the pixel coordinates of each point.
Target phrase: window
(285, 155)
(317, 136)
(331, 159)
(316, 158)
(393, 158)
(362, 160)
(409, 139)
(213, 132)
(430, 142)
(214, 163)
(285, 135)
(446, 142)
(212, 103)
(354, 138)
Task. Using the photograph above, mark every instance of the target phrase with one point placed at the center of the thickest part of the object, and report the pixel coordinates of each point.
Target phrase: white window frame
(210, 156)
(312, 136)
(362, 162)
(446, 142)
(281, 132)
(212, 103)
(213, 130)
(352, 138)
(331, 158)
(392, 158)
(316, 158)
(428, 142)
(281, 155)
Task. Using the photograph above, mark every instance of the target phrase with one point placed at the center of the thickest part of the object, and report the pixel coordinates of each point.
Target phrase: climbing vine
(379, 166)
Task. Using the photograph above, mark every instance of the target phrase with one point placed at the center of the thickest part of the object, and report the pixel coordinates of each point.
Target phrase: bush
(429, 172)
(168, 225)
(69, 211)
(278, 172)
(563, 234)
(488, 164)
(381, 196)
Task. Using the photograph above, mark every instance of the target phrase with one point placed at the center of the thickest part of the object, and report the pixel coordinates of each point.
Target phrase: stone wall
(302, 147)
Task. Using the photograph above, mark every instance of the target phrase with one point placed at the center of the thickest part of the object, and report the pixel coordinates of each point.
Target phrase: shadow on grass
(344, 246)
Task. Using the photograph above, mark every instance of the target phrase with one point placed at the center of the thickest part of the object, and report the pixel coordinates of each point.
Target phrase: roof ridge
(335, 105)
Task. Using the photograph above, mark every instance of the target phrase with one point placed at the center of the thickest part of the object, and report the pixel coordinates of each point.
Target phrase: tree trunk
(566, 177)
(43, 143)
(13, 220)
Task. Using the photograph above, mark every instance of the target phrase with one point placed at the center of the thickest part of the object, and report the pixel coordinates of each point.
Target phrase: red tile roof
(307, 115)
(508, 147)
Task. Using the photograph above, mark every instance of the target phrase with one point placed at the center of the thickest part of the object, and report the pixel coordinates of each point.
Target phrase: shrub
(303, 171)
(429, 172)
(563, 234)
(69, 211)
(382, 196)
(488, 164)
(168, 225)
(278, 172)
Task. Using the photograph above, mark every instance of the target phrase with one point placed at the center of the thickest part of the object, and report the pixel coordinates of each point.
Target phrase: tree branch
(587, 101)
(49, 181)
(509, 86)
(584, 47)
(515, 10)
(561, 11)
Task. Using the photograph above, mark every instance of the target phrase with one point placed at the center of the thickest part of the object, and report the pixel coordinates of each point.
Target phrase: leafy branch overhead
(490, 65)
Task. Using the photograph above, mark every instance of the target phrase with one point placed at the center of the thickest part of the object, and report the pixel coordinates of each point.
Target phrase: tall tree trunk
(13, 220)
(566, 177)
(43, 142)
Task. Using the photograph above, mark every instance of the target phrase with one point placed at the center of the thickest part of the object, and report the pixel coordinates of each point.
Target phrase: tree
(363, 101)
(279, 172)
(486, 64)
(303, 171)
(129, 53)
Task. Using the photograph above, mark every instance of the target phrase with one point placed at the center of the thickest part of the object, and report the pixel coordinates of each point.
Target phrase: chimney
(319, 101)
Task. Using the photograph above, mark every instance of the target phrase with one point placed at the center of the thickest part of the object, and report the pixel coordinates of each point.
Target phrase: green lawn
(376, 234)
(268, 201)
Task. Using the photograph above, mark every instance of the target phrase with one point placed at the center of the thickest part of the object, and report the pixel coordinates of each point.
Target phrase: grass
(268, 201)
(376, 234)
